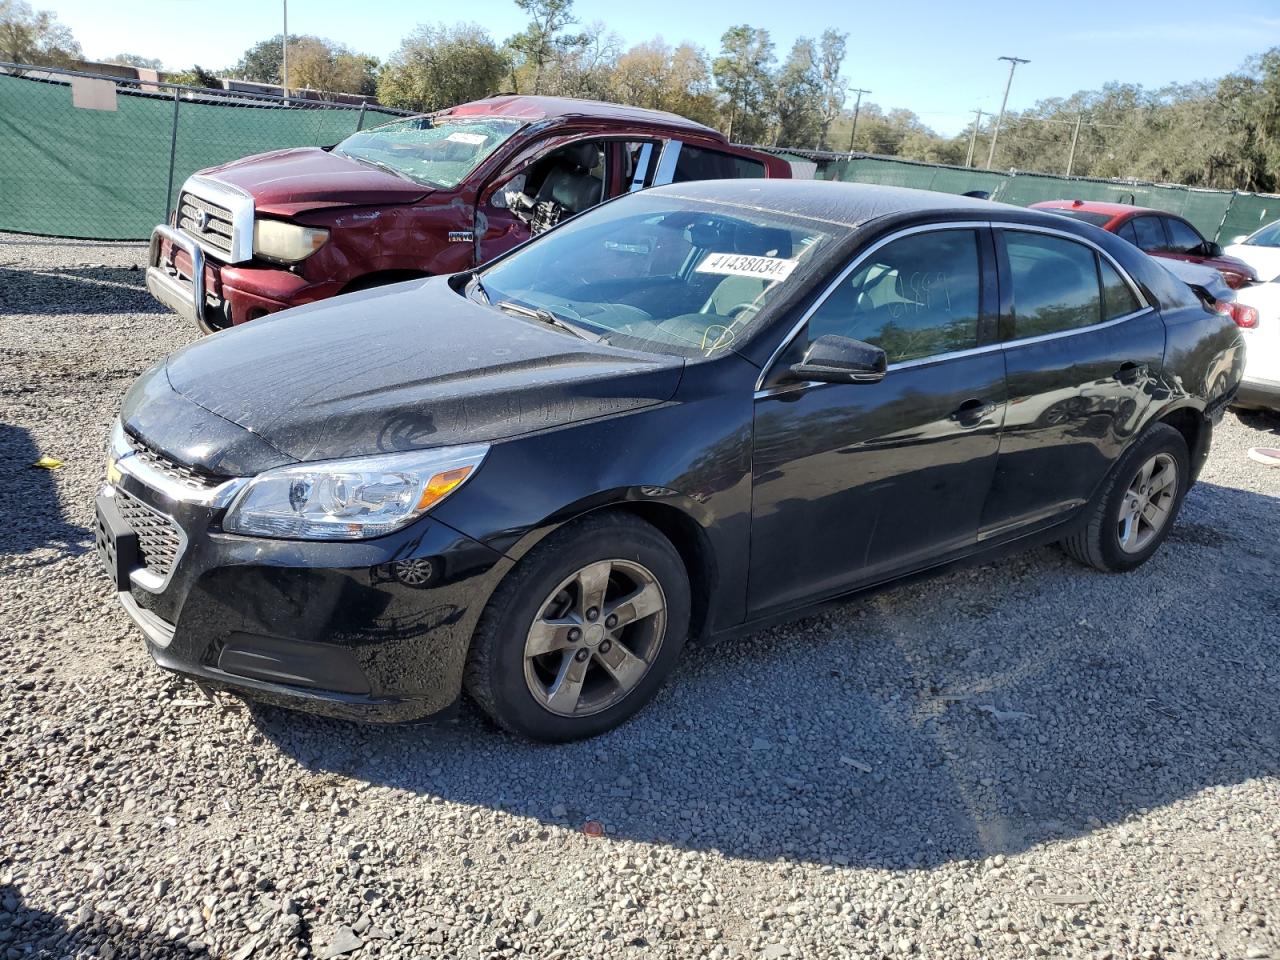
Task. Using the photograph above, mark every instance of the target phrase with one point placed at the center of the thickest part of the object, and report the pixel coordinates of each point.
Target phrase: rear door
(855, 482)
(1082, 352)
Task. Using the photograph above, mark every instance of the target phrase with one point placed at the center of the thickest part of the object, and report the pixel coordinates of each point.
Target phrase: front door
(856, 482)
(1083, 352)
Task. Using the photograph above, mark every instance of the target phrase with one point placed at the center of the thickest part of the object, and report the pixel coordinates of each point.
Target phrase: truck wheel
(582, 633)
(1135, 510)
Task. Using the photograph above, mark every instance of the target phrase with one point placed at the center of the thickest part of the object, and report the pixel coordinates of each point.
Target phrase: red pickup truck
(426, 195)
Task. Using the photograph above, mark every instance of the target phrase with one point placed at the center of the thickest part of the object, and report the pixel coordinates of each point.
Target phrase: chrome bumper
(167, 285)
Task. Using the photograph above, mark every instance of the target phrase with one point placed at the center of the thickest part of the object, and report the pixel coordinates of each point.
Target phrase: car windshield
(437, 152)
(659, 273)
(1268, 236)
(1088, 216)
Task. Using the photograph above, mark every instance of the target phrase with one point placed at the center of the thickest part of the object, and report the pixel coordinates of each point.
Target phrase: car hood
(290, 181)
(1265, 260)
(405, 367)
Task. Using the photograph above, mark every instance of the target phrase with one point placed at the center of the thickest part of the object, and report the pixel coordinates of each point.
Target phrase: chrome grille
(210, 224)
(158, 538)
(174, 471)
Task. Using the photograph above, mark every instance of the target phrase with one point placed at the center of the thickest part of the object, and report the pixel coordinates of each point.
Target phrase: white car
(1261, 385)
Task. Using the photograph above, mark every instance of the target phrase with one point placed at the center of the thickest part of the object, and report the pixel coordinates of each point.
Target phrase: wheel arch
(1196, 429)
(676, 516)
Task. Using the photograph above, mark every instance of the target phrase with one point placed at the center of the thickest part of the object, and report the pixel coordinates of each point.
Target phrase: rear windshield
(439, 153)
(661, 273)
(1088, 216)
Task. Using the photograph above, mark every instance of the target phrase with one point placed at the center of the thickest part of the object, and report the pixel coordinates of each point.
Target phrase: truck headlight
(286, 242)
(351, 499)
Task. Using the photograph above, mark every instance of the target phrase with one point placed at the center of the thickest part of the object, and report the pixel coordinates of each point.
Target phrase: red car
(426, 195)
(1156, 232)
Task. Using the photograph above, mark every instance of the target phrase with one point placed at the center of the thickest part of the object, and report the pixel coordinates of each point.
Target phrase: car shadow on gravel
(26, 931)
(74, 291)
(34, 518)
(987, 711)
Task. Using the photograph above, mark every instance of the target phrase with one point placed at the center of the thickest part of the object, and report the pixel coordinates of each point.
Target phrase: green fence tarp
(102, 174)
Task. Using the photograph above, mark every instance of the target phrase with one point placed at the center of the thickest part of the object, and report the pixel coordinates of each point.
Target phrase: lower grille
(159, 540)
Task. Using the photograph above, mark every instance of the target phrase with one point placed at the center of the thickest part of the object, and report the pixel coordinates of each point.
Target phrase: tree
(652, 74)
(798, 97)
(314, 63)
(543, 41)
(136, 60)
(831, 53)
(35, 36)
(585, 67)
(742, 72)
(437, 66)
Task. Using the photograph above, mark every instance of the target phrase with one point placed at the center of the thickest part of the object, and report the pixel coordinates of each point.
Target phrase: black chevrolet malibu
(686, 413)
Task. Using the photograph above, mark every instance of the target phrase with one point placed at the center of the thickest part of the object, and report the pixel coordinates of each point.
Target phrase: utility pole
(973, 138)
(1013, 65)
(284, 53)
(1075, 137)
(857, 106)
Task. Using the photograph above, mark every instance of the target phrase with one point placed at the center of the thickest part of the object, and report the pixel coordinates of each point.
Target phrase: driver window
(563, 183)
(914, 297)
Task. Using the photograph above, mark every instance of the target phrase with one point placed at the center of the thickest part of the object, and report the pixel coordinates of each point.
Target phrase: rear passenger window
(696, 163)
(1125, 232)
(915, 297)
(1118, 298)
(1150, 234)
(1055, 284)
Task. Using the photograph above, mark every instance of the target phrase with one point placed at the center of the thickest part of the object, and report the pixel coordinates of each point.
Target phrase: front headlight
(351, 499)
(286, 242)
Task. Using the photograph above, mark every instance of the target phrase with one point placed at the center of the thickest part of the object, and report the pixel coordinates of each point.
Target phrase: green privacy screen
(102, 174)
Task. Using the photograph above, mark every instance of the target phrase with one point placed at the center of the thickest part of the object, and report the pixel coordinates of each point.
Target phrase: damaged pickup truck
(426, 195)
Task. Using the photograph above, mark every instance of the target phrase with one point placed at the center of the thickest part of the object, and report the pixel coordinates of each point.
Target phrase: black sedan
(691, 411)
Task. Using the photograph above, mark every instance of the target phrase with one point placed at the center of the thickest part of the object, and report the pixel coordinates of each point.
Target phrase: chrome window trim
(1146, 307)
(240, 205)
(844, 274)
(126, 461)
(666, 168)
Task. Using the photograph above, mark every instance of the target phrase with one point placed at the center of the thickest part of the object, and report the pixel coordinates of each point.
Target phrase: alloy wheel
(1148, 503)
(595, 638)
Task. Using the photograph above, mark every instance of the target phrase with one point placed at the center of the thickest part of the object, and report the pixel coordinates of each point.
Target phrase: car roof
(845, 204)
(1098, 206)
(533, 108)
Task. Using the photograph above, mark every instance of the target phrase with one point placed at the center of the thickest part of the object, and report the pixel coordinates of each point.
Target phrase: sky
(936, 57)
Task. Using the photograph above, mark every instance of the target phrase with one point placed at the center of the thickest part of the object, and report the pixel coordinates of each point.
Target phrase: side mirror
(836, 359)
(1212, 249)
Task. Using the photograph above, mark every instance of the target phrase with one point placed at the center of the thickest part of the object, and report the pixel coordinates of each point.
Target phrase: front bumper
(216, 295)
(352, 630)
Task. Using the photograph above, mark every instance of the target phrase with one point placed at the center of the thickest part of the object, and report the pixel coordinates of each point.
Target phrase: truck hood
(286, 182)
(404, 367)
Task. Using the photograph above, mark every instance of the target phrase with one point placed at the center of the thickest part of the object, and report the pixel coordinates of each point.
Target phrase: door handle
(1131, 372)
(973, 411)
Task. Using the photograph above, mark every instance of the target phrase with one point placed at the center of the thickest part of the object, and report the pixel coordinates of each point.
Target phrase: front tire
(1138, 504)
(583, 632)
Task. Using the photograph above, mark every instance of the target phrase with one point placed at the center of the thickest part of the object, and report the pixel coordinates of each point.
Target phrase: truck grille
(158, 538)
(208, 223)
(174, 471)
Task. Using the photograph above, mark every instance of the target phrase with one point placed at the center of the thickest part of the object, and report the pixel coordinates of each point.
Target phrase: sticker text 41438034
(741, 265)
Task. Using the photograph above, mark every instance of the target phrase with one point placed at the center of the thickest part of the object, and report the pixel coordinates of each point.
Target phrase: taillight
(1243, 315)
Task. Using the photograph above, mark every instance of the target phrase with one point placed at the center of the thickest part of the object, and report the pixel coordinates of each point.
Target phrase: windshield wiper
(473, 287)
(381, 166)
(544, 315)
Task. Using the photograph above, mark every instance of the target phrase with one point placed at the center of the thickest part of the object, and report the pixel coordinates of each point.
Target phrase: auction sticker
(740, 265)
(472, 138)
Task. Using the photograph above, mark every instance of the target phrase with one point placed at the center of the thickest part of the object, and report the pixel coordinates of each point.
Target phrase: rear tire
(1136, 508)
(582, 632)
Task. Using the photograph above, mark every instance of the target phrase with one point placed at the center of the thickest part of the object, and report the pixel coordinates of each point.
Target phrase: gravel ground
(1023, 759)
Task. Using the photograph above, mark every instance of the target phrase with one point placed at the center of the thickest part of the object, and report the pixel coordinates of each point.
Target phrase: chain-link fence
(1218, 214)
(99, 157)
(102, 157)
